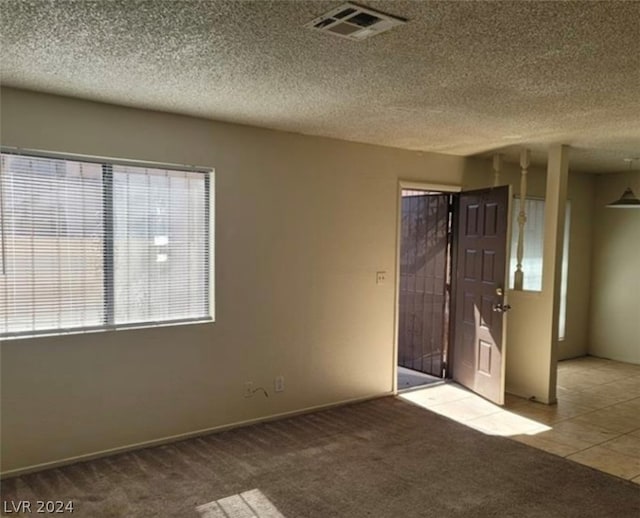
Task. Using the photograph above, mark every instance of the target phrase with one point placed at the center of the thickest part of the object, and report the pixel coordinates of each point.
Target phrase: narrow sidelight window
(534, 250)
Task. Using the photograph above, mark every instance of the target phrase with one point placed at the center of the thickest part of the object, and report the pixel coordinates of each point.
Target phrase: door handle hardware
(501, 308)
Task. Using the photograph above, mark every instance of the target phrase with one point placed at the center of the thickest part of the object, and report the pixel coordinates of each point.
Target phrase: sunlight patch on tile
(469, 409)
(431, 396)
(250, 504)
(506, 423)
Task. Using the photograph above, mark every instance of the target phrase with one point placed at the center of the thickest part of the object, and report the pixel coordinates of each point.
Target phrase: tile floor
(408, 378)
(596, 421)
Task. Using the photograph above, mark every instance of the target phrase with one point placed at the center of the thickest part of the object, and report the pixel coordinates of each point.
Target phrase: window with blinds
(86, 245)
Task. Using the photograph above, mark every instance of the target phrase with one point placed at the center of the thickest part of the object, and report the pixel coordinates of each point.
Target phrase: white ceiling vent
(354, 22)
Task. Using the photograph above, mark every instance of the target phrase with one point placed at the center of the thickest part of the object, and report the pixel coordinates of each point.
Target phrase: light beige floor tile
(575, 381)
(615, 394)
(609, 419)
(623, 371)
(589, 361)
(624, 410)
(510, 400)
(574, 371)
(589, 399)
(597, 420)
(622, 390)
(633, 403)
(560, 391)
(608, 461)
(466, 409)
(601, 377)
(562, 450)
(432, 396)
(582, 433)
(550, 413)
(568, 440)
(569, 409)
(625, 444)
(588, 376)
(632, 383)
(632, 406)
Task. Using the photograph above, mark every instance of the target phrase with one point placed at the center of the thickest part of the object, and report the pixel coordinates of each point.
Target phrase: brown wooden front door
(479, 303)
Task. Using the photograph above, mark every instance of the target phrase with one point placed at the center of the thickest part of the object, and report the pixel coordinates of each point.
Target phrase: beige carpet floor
(382, 458)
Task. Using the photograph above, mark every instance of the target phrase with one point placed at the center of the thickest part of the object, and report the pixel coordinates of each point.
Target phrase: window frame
(565, 267)
(107, 165)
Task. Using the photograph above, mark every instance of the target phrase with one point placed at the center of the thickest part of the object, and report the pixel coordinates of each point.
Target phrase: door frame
(407, 185)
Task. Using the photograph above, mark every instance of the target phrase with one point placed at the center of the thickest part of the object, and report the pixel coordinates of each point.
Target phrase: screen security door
(423, 282)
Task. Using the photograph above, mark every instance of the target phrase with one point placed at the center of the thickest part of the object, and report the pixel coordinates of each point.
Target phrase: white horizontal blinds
(160, 245)
(88, 245)
(53, 237)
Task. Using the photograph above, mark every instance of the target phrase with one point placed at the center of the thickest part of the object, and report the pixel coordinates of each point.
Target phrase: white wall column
(554, 216)
(532, 325)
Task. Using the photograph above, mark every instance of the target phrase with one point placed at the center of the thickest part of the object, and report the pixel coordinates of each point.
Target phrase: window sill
(101, 329)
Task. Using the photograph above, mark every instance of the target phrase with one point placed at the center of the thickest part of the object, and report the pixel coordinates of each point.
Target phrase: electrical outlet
(248, 389)
(381, 277)
(278, 384)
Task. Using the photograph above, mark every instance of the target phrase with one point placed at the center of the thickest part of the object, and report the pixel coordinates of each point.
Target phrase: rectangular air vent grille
(354, 22)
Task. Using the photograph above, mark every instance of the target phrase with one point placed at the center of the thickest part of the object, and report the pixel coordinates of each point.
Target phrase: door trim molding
(420, 186)
(425, 186)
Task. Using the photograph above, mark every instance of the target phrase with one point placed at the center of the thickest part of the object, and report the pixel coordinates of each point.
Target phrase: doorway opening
(424, 289)
(453, 251)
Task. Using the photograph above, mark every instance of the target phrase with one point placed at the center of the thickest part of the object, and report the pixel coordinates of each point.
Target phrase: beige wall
(302, 226)
(580, 193)
(615, 287)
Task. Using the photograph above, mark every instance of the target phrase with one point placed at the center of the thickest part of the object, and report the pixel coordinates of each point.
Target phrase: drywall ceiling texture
(459, 78)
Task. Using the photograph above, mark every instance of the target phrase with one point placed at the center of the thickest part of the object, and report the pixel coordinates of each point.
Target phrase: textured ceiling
(463, 78)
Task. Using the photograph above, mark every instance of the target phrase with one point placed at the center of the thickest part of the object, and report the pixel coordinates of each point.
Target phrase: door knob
(501, 308)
